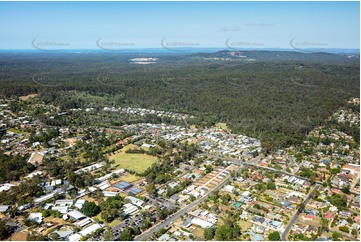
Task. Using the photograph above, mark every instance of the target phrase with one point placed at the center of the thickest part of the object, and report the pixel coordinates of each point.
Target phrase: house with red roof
(307, 217)
(329, 216)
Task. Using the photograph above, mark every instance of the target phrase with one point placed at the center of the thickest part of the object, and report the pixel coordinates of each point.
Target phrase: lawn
(135, 162)
(130, 177)
(115, 222)
(16, 131)
(199, 233)
(99, 218)
(244, 225)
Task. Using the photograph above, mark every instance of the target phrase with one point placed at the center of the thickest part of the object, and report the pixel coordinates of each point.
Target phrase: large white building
(201, 223)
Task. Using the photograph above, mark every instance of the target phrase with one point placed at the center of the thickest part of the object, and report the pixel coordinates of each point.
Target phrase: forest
(275, 96)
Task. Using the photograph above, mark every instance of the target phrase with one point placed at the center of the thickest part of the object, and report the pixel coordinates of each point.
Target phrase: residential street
(147, 234)
(297, 213)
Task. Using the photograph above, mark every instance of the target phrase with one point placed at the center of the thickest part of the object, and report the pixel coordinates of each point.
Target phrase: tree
(339, 201)
(5, 230)
(192, 198)
(223, 232)
(151, 189)
(125, 235)
(336, 235)
(35, 237)
(90, 209)
(54, 236)
(209, 233)
(45, 213)
(301, 207)
(346, 190)
(108, 235)
(271, 186)
(227, 232)
(274, 236)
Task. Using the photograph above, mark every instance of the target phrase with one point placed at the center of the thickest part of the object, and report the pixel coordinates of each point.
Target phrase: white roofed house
(79, 203)
(88, 230)
(110, 193)
(229, 188)
(104, 178)
(64, 202)
(76, 215)
(130, 209)
(61, 209)
(44, 198)
(75, 237)
(135, 201)
(120, 171)
(89, 168)
(4, 208)
(104, 185)
(6, 187)
(201, 223)
(83, 222)
(36, 217)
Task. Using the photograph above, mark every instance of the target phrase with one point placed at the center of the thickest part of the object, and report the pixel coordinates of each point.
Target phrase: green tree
(5, 230)
(209, 233)
(90, 209)
(301, 207)
(151, 189)
(108, 235)
(45, 213)
(125, 235)
(54, 236)
(227, 232)
(336, 235)
(271, 186)
(339, 201)
(274, 236)
(346, 190)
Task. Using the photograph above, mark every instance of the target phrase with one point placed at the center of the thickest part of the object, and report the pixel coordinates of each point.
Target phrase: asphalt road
(295, 216)
(147, 234)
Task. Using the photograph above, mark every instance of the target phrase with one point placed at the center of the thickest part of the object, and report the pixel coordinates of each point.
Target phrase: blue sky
(78, 25)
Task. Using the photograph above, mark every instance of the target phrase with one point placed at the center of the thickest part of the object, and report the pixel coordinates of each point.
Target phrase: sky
(113, 25)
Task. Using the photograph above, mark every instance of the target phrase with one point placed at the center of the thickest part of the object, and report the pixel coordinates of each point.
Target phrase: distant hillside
(274, 95)
(281, 56)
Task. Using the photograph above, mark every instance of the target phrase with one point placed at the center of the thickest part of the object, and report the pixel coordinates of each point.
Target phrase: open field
(130, 178)
(135, 162)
